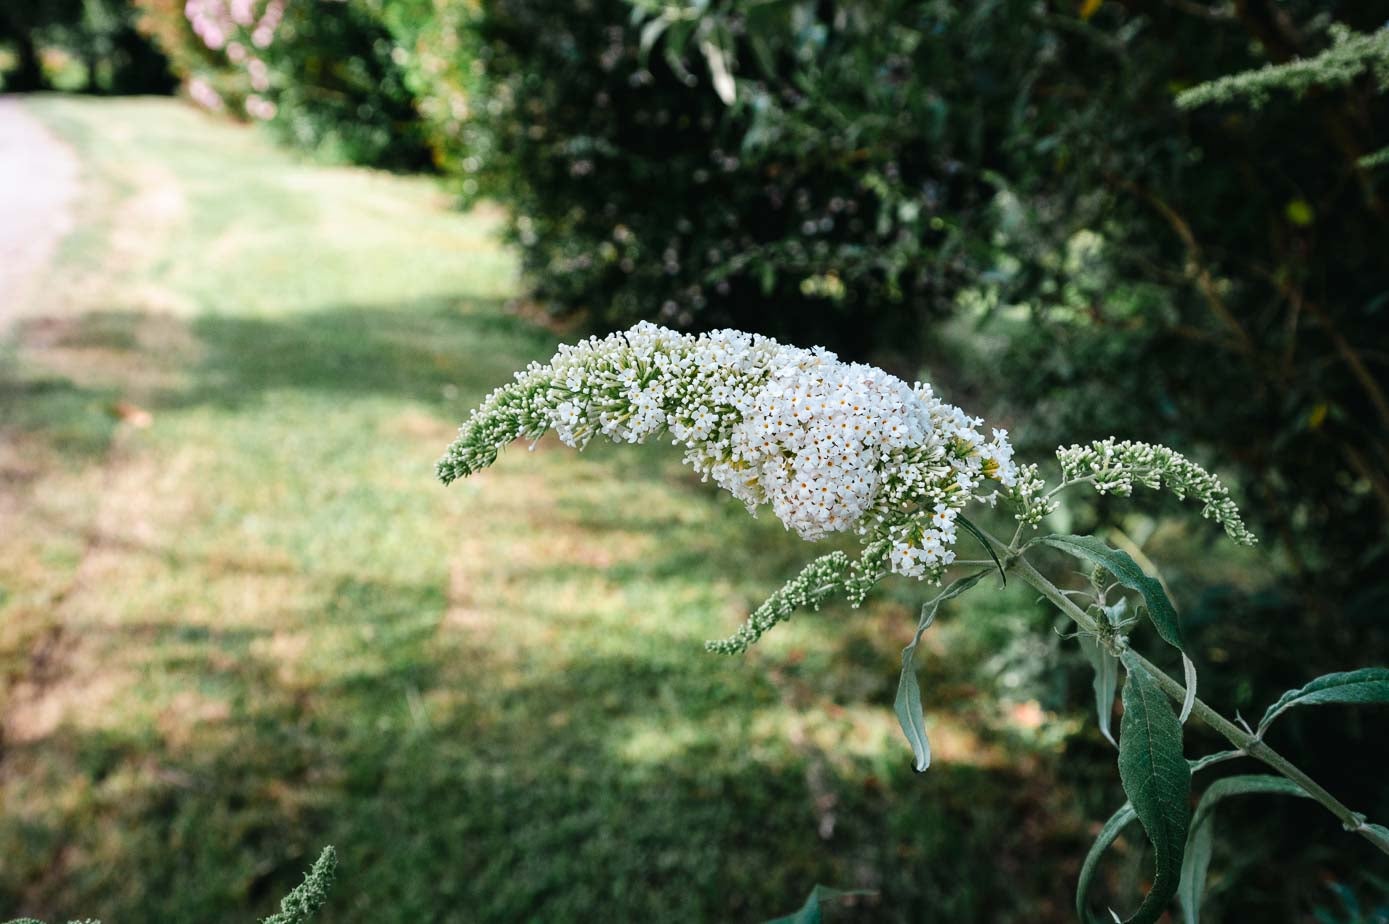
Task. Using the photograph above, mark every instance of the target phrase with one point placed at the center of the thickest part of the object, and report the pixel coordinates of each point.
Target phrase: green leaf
(983, 540)
(1195, 865)
(908, 705)
(1105, 684)
(1126, 571)
(1378, 835)
(910, 716)
(1108, 834)
(1367, 685)
(1157, 780)
(1198, 845)
(1218, 757)
(716, 55)
(810, 912)
(649, 34)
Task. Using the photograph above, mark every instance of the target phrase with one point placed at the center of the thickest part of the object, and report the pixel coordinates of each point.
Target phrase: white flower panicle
(830, 446)
(1115, 467)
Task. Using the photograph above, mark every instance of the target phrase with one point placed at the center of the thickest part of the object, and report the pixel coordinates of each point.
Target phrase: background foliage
(91, 45)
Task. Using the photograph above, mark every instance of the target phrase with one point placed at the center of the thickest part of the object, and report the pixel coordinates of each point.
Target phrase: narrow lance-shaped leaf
(650, 32)
(988, 546)
(1105, 684)
(1195, 864)
(1108, 834)
(1218, 757)
(1198, 845)
(1378, 835)
(1160, 609)
(1157, 780)
(1367, 685)
(978, 533)
(716, 52)
(908, 704)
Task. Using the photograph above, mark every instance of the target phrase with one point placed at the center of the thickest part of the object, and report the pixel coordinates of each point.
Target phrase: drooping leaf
(1105, 684)
(978, 533)
(1126, 571)
(1367, 685)
(1108, 834)
(812, 911)
(1157, 780)
(716, 53)
(910, 715)
(908, 704)
(1198, 845)
(1195, 865)
(1189, 683)
(649, 34)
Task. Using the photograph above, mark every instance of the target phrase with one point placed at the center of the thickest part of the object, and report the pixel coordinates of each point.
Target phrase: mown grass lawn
(239, 620)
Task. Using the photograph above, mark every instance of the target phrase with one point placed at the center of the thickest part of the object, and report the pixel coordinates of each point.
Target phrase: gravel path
(39, 180)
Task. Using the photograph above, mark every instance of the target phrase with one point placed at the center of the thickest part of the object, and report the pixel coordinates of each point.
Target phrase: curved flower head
(829, 446)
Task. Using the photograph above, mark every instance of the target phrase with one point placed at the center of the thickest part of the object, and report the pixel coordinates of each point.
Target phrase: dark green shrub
(323, 75)
(825, 205)
(98, 39)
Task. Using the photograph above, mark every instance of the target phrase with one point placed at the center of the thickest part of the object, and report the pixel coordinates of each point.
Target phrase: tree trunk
(28, 75)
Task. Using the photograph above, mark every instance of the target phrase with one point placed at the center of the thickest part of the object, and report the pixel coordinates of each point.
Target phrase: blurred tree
(101, 34)
(21, 21)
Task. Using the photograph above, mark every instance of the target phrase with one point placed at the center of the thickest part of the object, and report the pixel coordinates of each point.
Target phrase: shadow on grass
(429, 351)
(457, 789)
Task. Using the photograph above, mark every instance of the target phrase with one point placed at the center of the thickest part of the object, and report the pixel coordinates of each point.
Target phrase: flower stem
(1247, 743)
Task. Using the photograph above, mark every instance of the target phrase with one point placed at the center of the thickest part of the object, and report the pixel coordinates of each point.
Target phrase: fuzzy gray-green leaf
(1367, 685)
(1105, 684)
(1198, 845)
(1218, 757)
(1108, 834)
(1195, 864)
(1157, 780)
(1127, 572)
(908, 704)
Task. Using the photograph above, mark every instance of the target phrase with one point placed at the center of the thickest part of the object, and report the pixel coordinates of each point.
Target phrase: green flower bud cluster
(1115, 467)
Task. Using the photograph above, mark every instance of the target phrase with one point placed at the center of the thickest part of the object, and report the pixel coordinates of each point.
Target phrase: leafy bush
(324, 76)
(825, 205)
(435, 44)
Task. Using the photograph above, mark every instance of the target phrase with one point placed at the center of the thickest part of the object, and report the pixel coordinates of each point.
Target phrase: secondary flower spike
(830, 446)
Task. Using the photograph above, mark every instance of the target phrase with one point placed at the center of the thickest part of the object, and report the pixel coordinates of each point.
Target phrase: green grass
(257, 625)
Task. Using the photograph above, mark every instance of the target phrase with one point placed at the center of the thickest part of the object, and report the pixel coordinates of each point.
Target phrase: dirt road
(39, 180)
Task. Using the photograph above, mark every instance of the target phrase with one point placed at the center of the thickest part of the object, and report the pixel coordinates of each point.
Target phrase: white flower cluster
(1115, 467)
(830, 446)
